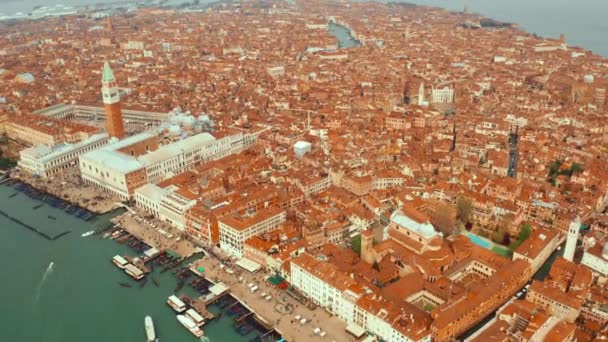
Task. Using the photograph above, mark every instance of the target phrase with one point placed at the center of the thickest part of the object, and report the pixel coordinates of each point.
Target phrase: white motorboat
(150, 333)
(190, 325)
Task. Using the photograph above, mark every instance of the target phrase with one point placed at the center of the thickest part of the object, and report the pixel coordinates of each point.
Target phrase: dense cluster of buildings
(433, 143)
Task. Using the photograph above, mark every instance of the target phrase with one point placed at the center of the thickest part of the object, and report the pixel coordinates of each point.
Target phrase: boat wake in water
(46, 274)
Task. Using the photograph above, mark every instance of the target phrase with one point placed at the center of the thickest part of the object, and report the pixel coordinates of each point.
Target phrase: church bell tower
(111, 102)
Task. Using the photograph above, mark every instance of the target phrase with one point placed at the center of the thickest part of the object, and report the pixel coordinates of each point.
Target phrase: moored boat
(195, 317)
(119, 261)
(150, 332)
(134, 272)
(187, 322)
(176, 304)
(89, 233)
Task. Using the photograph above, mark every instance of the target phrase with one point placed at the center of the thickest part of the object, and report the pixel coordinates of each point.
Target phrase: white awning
(248, 265)
(355, 329)
(218, 289)
(152, 252)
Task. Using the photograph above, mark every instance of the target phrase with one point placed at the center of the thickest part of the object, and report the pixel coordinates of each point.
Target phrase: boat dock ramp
(199, 307)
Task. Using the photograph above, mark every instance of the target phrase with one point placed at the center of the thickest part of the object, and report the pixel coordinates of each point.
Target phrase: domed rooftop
(424, 229)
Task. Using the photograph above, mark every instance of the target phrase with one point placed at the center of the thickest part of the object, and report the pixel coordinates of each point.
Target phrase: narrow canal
(541, 274)
(67, 289)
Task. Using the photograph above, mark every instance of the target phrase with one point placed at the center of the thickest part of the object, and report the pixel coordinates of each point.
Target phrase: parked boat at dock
(150, 332)
(187, 322)
(134, 272)
(195, 317)
(120, 262)
(176, 304)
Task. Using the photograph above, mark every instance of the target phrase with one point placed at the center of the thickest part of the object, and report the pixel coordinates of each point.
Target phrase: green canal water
(78, 298)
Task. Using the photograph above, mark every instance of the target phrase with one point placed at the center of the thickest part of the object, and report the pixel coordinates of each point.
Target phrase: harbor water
(583, 22)
(67, 289)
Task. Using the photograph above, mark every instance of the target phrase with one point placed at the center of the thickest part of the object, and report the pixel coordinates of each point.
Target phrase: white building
(445, 95)
(343, 296)
(134, 45)
(597, 263)
(121, 174)
(537, 248)
(387, 182)
(516, 122)
(45, 161)
(109, 169)
(235, 229)
(332, 291)
(173, 207)
(300, 148)
(149, 196)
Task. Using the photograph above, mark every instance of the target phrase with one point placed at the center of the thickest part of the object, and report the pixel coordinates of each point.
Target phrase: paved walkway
(270, 311)
(151, 232)
(69, 186)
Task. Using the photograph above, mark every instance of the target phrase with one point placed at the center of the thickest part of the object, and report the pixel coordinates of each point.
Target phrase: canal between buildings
(540, 275)
(77, 297)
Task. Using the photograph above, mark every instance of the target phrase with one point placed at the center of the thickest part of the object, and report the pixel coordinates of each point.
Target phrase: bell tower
(572, 239)
(111, 102)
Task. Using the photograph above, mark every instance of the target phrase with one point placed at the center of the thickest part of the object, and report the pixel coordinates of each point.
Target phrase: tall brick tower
(111, 101)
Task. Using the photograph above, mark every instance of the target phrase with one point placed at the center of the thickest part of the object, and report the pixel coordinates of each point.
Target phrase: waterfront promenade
(278, 313)
(272, 312)
(69, 187)
(171, 239)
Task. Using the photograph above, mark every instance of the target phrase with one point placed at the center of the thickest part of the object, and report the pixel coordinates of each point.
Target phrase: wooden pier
(201, 308)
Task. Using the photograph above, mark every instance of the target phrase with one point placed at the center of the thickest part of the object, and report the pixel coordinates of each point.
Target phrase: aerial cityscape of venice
(304, 170)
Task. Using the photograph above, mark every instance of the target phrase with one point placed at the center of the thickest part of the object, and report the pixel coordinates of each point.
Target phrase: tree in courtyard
(574, 168)
(524, 233)
(356, 244)
(443, 219)
(498, 236)
(506, 223)
(464, 208)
